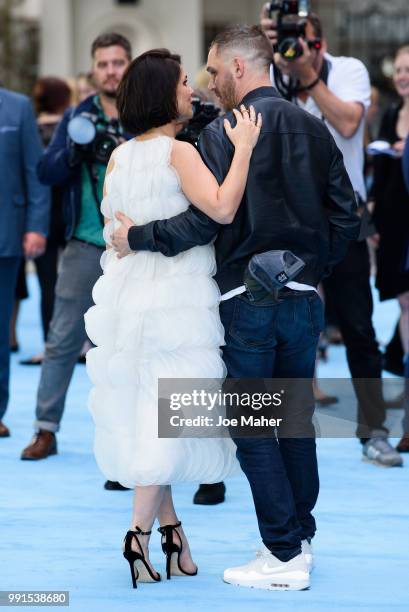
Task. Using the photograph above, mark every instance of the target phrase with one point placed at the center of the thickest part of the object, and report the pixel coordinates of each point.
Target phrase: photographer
(337, 90)
(80, 170)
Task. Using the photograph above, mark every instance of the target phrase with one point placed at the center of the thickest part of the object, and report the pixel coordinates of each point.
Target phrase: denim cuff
(47, 426)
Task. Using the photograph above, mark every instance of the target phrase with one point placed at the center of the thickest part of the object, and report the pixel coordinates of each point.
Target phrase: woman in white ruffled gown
(157, 317)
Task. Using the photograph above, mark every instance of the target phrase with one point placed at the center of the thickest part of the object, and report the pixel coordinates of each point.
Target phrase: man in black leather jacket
(298, 197)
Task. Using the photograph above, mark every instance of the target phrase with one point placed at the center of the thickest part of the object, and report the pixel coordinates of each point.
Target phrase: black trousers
(8, 278)
(349, 291)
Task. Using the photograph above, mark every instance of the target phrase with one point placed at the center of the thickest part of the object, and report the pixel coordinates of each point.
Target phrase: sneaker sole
(385, 465)
(270, 584)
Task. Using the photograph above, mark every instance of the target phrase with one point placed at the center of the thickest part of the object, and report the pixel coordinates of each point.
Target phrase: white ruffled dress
(154, 317)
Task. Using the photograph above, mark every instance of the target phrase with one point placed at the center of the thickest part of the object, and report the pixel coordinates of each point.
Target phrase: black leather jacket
(298, 197)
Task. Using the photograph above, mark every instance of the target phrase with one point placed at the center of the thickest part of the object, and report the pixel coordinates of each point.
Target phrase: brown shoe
(403, 446)
(4, 431)
(42, 446)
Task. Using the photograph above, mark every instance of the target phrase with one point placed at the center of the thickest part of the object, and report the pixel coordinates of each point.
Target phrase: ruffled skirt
(154, 317)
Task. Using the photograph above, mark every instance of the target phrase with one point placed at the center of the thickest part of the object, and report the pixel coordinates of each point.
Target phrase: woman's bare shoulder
(183, 150)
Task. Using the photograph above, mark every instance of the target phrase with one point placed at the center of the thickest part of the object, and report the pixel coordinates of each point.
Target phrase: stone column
(180, 23)
(56, 38)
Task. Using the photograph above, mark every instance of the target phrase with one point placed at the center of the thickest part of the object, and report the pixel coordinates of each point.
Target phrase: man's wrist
(307, 79)
(310, 86)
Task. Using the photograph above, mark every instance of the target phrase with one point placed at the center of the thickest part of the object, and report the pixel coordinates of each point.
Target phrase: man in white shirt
(337, 90)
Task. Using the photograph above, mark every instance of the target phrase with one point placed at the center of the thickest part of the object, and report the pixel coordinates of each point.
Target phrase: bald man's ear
(238, 67)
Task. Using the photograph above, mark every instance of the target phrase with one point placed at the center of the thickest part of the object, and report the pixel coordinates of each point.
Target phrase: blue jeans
(277, 340)
(8, 277)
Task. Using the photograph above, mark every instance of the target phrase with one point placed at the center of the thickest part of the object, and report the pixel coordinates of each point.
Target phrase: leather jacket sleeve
(340, 206)
(192, 227)
(172, 236)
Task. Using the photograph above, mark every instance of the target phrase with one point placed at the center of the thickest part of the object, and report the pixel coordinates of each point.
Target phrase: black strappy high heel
(140, 570)
(173, 551)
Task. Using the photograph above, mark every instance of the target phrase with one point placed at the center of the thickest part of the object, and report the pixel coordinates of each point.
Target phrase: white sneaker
(268, 572)
(379, 450)
(306, 549)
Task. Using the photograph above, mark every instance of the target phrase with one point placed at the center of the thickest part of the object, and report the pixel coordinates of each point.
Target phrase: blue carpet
(60, 530)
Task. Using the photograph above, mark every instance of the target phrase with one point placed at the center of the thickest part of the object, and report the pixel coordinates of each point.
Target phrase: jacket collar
(260, 92)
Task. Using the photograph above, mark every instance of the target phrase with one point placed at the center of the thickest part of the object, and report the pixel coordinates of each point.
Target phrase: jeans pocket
(316, 314)
(253, 325)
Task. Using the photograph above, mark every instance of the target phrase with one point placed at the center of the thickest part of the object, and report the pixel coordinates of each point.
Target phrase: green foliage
(18, 48)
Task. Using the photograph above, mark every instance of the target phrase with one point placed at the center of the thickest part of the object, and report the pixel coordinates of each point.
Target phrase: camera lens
(103, 147)
(81, 130)
(290, 49)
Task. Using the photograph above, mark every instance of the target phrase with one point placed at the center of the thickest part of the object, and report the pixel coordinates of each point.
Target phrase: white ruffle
(154, 317)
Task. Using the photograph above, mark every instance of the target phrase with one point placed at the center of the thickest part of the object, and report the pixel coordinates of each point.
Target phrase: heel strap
(133, 535)
(166, 528)
(139, 531)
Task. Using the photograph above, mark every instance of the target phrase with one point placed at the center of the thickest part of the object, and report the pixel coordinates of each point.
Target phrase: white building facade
(368, 29)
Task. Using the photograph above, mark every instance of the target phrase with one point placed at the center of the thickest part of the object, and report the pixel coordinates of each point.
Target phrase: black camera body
(291, 22)
(203, 113)
(94, 140)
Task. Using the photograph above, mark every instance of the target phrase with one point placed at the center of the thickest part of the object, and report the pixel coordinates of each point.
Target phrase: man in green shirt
(90, 223)
(81, 172)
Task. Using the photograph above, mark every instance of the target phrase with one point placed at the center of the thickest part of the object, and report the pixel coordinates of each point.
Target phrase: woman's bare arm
(198, 183)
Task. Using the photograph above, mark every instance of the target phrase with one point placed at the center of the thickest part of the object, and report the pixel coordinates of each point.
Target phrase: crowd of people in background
(342, 97)
(53, 185)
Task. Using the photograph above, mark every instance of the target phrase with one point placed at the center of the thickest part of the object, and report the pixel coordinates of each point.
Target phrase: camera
(291, 21)
(203, 113)
(94, 140)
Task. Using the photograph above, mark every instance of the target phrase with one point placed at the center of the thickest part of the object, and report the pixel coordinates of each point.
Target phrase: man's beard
(109, 93)
(227, 94)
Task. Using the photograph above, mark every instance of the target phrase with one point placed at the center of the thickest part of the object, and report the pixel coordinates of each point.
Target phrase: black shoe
(173, 550)
(140, 569)
(111, 485)
(210, 494)
(37, 360)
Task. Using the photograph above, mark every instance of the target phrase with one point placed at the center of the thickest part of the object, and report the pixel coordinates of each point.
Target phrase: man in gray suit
(24, 213)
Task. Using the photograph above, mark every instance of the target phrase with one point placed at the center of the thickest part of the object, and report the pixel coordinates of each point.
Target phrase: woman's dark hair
(51, 95)
(146, 96)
